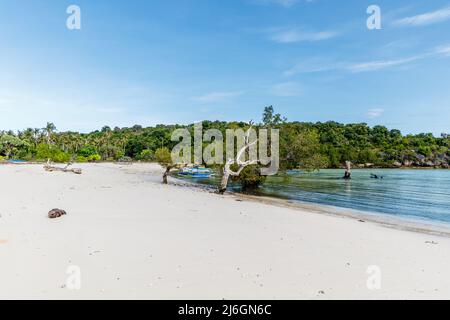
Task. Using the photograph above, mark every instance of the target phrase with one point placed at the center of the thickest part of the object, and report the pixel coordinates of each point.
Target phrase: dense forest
(302, 145)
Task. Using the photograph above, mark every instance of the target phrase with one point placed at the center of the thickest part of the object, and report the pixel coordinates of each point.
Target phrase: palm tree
(37, 135)
(49, 129)
(27, 135)
(9, 143)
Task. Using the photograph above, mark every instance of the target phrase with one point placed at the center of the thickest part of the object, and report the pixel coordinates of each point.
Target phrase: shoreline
(403, 224)
(382, 219)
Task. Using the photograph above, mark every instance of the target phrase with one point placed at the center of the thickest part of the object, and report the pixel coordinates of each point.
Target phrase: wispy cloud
(351, 67)
(311, 66)
(286, 3)
(374, 113)
(316, 66)
(214, 97)
(379, 64)
(425, 18)
(283, 3)
(286, 89)
(292, 35)
(443, 50)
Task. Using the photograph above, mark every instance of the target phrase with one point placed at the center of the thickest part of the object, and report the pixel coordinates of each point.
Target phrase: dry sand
(133, 238)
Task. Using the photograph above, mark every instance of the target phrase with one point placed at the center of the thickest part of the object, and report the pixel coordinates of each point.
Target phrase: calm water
(413, 194)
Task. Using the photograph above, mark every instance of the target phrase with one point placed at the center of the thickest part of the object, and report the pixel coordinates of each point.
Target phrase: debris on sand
(50, 168)
(56, 213)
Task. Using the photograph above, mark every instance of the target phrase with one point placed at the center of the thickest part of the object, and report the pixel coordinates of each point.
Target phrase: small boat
(293, 171)
(195, 172)
(16, 161)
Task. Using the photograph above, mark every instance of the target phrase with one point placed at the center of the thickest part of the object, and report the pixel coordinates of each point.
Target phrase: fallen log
(48, 167)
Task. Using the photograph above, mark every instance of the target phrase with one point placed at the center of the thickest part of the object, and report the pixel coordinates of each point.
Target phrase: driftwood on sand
(49, 167)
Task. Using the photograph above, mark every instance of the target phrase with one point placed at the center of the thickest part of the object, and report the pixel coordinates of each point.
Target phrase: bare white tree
(348, 168)
(227, 172)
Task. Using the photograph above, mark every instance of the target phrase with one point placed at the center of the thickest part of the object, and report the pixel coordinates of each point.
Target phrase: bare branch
(241, 164)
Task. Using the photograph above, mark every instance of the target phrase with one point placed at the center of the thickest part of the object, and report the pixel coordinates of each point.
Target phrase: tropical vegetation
(305, 145)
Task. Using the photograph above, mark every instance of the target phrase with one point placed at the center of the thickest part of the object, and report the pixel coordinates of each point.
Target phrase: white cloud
(292, 35)
(214, 97)
(383, 64)
(287, 89)
(352, 67)
(378, 65)
(374, 113)
(359, 67)
(426, 18)
(283, 3)
(443, 50)
(311, 66)
(286, 3)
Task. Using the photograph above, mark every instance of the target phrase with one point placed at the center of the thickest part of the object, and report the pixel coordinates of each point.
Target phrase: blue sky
(180, 61)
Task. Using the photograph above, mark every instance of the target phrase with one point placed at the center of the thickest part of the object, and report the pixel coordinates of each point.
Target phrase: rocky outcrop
(407, 163)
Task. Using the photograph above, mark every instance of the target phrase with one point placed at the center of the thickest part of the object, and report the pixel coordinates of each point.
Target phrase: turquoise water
(413, 194)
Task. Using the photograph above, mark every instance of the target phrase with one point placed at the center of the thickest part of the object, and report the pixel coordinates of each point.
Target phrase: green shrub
(119, 155)
(94, 158)
(61, 156)
(81, 159)
(24, 154)
(87, 151)
(250, 178)
(27, 157)
(147, 155)
(45, 151)
(163, 157)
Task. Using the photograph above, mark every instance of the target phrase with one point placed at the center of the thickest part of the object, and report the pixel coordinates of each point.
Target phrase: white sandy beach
(134, 238)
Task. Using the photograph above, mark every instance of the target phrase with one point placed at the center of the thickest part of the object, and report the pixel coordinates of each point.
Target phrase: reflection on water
(423, 194)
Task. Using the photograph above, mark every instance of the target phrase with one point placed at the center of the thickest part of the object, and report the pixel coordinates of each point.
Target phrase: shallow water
(413, 194)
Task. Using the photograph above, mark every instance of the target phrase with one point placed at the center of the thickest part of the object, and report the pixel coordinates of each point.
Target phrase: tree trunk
(166, 173)
(224, 182)
(348, 175)
(227, 172)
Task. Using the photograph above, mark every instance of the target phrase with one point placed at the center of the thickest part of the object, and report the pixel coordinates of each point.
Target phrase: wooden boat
(195, 172)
